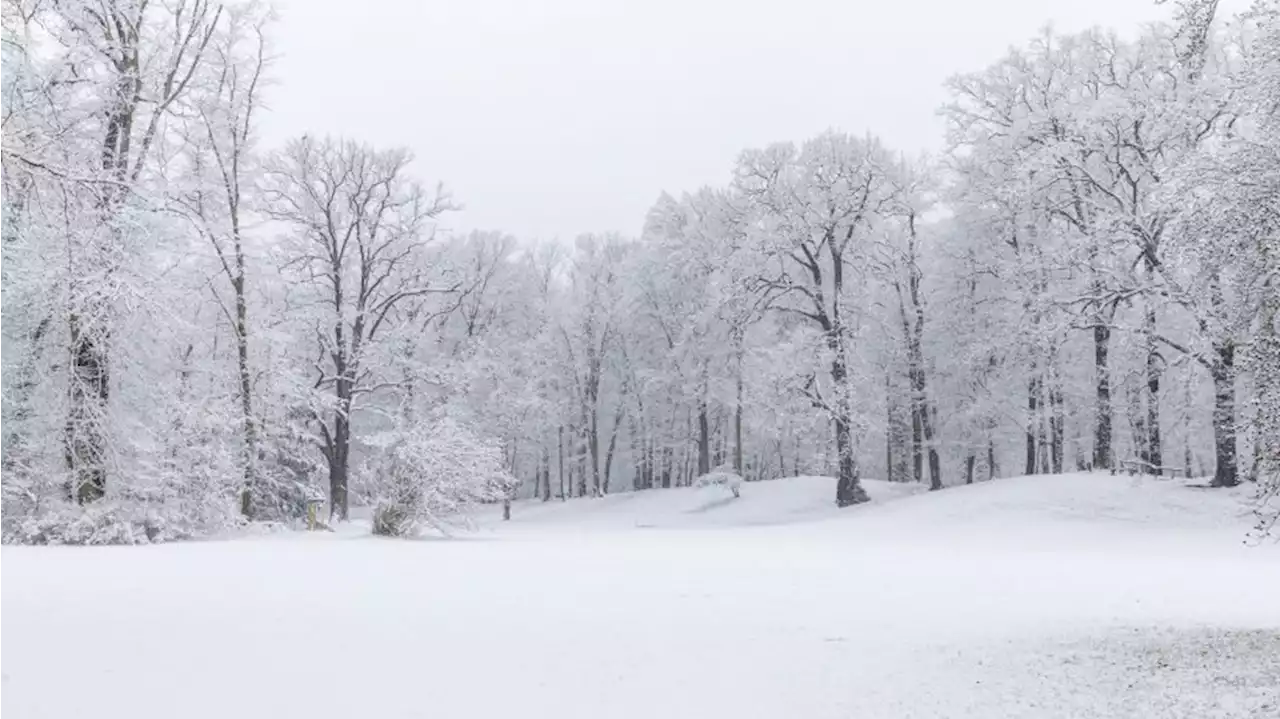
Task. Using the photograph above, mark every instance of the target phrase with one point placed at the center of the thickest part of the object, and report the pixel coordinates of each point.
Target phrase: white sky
(548, 118)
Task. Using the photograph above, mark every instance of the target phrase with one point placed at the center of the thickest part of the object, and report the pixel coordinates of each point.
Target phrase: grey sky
(556, 117)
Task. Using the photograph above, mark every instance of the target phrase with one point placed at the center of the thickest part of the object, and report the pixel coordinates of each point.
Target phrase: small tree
(428, 476)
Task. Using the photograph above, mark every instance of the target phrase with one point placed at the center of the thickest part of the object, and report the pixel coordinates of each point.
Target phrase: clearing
(1052, 596)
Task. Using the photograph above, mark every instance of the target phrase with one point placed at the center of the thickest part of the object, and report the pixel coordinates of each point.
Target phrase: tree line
(200, 330)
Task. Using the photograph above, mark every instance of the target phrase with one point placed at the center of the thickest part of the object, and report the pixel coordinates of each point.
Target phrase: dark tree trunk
(593, 444)
(1057, 422)
(1155, 453)
(339, 505)
(1102, 399)
(849, 488)
(546, 474)
(917, 445)
(560, 461)
(991, 459)
(1224, 415)
(250, 451)
(704, 439)
(888, 428)
(935, 464)
(613, 443)
(583, 450)
(86, 440)
(1033, 418)
(969, 461)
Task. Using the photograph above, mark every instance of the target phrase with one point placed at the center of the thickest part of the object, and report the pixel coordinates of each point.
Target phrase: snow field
(1071, 596)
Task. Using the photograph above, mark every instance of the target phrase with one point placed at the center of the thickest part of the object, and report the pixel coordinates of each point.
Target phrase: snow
(1069, 596)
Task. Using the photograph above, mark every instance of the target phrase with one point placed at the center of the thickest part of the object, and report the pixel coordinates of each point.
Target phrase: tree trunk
(86, 440)
(888, 427)
(935, 464)
(613, 443)
(250, 456)
(1224, 415)
(849, 488)
(560, 461)
(339, 505)
(1102, 396)
(968, 468)
(593, 444)
(917, 443)
(737, 417)
(1155, 453)
(704, 439)
(1057, 418)
(1033, 418)
(546, 473)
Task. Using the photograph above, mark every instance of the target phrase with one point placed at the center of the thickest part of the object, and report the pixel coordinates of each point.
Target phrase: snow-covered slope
(1074, 596)
(784, 501)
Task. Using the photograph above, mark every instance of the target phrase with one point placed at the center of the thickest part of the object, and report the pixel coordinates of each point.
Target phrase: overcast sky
(549, 118)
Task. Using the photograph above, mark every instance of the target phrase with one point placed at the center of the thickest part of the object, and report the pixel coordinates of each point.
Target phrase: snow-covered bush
(721, 477)
(428, 476)
(105, 522)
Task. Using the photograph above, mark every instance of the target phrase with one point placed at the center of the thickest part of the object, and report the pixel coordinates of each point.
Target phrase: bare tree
(816, 205)
(221, 141)
(362, 228)
(147, 65)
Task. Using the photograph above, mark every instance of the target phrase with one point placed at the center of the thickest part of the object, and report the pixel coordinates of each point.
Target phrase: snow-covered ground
(1071, 596)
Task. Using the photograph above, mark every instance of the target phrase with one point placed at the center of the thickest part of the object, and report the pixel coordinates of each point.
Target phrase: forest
(200, 330)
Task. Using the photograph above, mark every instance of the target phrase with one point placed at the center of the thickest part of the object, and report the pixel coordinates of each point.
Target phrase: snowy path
(1074, 597)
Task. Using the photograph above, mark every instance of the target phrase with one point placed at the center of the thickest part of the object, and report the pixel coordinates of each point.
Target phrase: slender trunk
(339, 503)
(969, 461)
(888, 427)
(613, 443)
(917, 444)
(1042, 428)
(1033, 418)
(546, 473)
(581, 452)
(935, 463)
(560, 461)
(737, 415)
(593, 444)
(250, 450)
(704, 438)
(991, 459)
(1057, 417)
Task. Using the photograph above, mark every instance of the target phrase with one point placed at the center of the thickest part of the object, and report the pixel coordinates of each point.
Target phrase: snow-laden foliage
(428, 475)
(723, 478)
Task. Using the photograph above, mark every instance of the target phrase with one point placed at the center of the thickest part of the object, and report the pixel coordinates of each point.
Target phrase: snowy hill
(782, 501)
(1039, 597)
(1079, 507)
